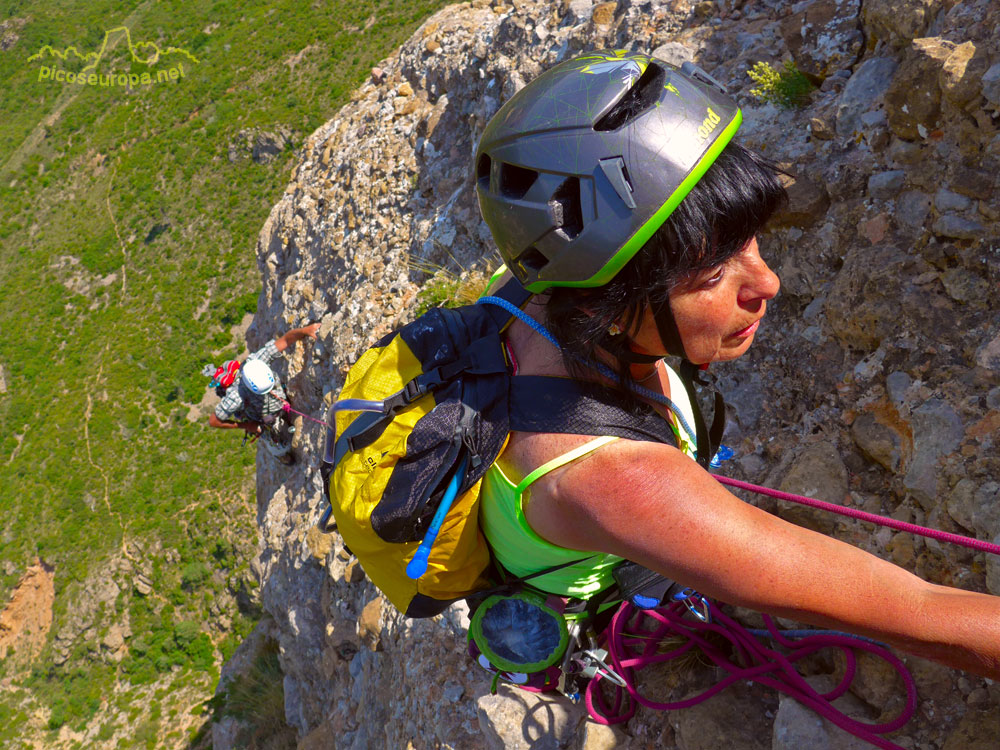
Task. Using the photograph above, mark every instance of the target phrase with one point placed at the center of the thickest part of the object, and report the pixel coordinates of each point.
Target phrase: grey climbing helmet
(579, 168)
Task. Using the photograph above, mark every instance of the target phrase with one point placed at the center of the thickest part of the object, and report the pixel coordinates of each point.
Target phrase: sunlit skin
(650, 503)
(717, 312)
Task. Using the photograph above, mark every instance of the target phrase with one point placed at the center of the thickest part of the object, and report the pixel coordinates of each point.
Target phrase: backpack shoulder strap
(549, 404)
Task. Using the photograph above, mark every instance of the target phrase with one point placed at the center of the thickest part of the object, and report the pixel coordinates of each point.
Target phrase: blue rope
(603, 369)
(522, 315)
(806, 633)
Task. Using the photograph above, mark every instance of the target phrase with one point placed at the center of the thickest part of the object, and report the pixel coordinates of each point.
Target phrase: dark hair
(724, 210)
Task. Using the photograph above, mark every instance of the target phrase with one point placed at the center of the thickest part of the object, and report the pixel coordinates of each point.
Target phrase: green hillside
(128, 218)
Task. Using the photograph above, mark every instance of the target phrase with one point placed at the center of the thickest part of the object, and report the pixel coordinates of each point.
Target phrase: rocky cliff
(875, 383)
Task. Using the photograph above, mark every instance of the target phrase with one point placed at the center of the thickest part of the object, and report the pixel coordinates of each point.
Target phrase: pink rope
(632, 645)
(892, 523)
(288, 408)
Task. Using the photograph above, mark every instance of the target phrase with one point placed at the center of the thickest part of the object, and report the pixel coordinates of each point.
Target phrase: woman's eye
(708, 281)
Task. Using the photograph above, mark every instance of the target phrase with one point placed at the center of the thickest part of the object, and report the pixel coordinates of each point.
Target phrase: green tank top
(521, 551)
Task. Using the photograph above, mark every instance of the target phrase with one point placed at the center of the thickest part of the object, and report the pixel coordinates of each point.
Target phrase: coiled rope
(634, 637)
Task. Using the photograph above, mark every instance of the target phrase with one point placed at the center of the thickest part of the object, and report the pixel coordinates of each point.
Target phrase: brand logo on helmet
(708, 125)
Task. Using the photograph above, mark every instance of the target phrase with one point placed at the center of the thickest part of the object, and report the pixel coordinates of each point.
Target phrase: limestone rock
(991, 85)
(958, 227)
(937, 430)
(871, 297)
(501, 718)
(602, 737)
(878, 441)
(818, 473)
(978, 730)
(988, 355)
(370, 624)
(603, 14)
(823, 36)
(912, 210)
(864, 92)
(976, 508)
(807, 203)
(913, 101)
(261, 146)
(796, 727)
(731, 718)
(898, 21)
(962, 74)
(318, 543)
(886, 185)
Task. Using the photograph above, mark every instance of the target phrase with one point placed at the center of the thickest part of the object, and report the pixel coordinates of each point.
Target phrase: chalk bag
(522, 635)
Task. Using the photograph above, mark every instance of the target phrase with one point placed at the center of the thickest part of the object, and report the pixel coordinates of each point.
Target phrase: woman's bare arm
(651, 504)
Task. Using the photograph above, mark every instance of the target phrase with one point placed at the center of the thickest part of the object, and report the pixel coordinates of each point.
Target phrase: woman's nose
(762, 282)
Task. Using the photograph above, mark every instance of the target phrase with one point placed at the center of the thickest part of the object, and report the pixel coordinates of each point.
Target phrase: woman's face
(718, 311)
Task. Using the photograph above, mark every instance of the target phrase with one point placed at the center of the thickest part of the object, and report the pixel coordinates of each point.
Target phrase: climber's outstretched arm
(295, 335)
(649, 503)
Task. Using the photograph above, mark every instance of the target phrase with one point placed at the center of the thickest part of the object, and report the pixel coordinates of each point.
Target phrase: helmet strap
(666, 326)
(638, 358)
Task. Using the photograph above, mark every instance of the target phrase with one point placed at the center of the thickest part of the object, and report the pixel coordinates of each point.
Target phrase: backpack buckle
(419, 386)
(412, 391)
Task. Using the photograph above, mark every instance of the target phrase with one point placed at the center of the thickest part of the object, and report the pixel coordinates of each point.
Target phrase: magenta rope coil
(892, 523)
(632, 646)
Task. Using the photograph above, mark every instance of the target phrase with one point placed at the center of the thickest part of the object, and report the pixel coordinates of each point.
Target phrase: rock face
(875, 379)
(27, 617)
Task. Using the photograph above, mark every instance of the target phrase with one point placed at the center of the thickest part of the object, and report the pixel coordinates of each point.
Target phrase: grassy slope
(96, 453)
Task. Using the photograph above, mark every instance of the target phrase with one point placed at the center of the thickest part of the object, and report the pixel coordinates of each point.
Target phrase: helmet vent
(530, 262)
(642, 96)
(516, 181)
(565, 209)
(483, 167)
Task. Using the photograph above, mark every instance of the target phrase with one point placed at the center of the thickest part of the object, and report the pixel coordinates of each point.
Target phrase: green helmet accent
(579, 169)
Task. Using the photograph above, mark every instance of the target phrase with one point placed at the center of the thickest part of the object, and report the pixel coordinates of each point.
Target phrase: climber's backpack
(446, 404)
(223, 376)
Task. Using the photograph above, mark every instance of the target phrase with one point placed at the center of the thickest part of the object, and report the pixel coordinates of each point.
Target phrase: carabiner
(598, 666)
(689, 595)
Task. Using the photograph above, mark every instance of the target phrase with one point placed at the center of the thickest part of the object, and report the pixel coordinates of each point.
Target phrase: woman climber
(615, 194)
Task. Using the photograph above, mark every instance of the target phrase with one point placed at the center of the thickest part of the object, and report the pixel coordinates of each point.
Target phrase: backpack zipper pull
(474, 458)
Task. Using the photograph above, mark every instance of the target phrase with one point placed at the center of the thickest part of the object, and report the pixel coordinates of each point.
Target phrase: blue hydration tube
(418, 564)
(604, 370)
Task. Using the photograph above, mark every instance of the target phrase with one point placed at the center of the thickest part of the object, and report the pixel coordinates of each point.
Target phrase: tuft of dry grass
(447, 288)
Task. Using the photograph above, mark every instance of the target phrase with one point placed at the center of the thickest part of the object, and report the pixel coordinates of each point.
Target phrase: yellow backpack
(421, 417)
